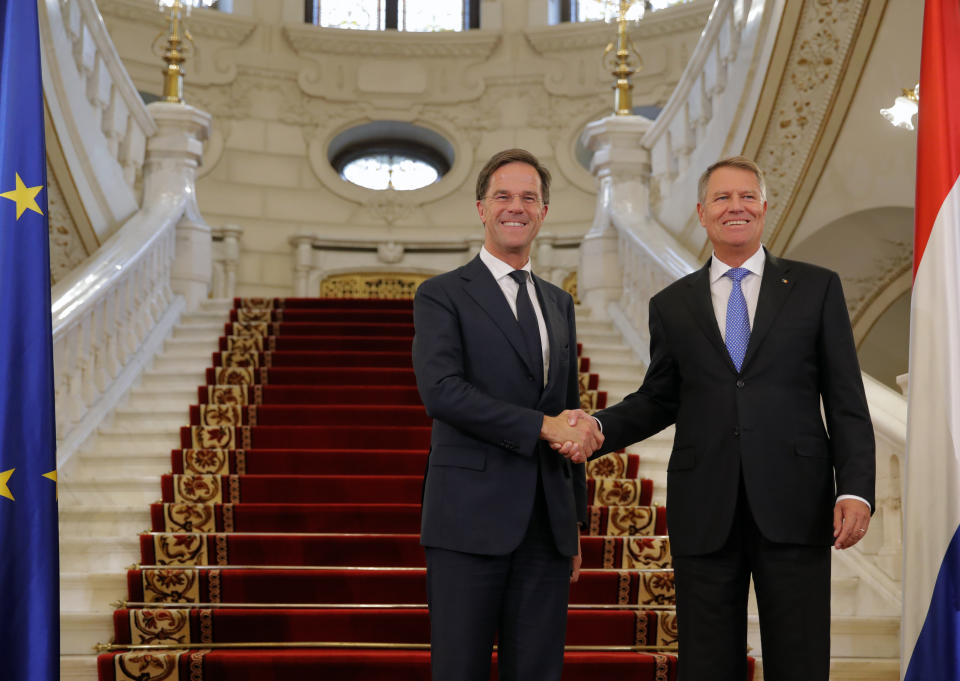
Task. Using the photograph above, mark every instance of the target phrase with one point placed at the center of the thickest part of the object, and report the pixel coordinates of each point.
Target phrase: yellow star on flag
(52, 475)
(25, 197)
(4, 490)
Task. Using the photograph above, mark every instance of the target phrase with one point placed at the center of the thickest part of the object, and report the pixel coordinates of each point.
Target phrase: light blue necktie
(738, 321)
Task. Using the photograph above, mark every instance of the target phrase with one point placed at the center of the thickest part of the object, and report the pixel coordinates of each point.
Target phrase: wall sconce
(904, 108)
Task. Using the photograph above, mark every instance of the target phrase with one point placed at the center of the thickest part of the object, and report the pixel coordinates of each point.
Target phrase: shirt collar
(498, 268)
(754, 263)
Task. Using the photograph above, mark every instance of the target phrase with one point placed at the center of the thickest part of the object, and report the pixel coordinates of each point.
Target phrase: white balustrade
(100, 120)
(111, 312)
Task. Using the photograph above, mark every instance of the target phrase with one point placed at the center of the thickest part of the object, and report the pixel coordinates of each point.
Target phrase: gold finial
(176, 50)
(626, 61)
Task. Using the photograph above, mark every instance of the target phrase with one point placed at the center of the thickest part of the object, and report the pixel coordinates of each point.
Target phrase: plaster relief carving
(824, 34)
(391, 77)
(66, 249)
(390, 253)
(390, 209)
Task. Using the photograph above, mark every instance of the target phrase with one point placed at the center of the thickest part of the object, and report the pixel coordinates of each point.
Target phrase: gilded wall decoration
(385, 286)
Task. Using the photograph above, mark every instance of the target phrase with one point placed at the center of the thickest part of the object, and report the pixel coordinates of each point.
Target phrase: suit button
(529, 377)
(740, 383)
(736, 432)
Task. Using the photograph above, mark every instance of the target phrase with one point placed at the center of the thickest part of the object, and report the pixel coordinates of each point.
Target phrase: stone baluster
(302, 264)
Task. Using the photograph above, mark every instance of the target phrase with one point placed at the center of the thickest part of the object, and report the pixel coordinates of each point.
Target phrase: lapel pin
(785, 281)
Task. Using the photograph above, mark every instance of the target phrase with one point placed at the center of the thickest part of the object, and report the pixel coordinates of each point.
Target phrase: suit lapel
(483, 288)
(701, 305)
(774, 289)
(553, 319)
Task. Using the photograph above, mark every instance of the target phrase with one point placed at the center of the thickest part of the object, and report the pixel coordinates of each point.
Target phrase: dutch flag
(930, 646)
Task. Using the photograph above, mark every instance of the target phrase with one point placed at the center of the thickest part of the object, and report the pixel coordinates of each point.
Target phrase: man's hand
(851, 518)
(578, 418)
(575, 439)
(576, 562)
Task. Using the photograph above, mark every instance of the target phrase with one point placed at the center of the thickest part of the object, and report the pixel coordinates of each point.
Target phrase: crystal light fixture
(175, 51)
(904, 108)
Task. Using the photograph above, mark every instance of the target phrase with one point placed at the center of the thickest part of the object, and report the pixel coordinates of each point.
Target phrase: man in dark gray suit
(495, 354)
(742, 352)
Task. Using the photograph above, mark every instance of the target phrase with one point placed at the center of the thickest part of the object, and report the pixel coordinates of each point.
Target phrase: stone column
(225, 281)
(170, 169)
(619, 158)
(302, 263)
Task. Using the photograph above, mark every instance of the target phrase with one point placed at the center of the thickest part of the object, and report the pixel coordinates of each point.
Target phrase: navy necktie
(528, 325)
(738, 321)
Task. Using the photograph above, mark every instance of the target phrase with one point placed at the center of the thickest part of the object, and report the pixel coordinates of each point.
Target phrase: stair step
(93, 520)
(192, 347)
(608, 354)
(91, 591)
(127, 420)
(125, 491)
(864, 669)
(167, 363)
(175, 379)
(100, 462)
(147, 441)
(103, 553)
(80, 632)
(78, 667)
(850, 637)
(199, 331)
(141, 399)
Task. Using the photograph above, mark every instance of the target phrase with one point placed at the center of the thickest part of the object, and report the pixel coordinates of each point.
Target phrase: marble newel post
(170, 168)
(619, 159)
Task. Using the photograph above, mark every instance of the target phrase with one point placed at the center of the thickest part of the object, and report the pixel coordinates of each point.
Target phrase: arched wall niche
(872, 251)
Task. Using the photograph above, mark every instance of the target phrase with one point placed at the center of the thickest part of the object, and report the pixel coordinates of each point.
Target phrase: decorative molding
(66, 248)
(204, 23)
(578, 36)
(809, 107)
(315, 40)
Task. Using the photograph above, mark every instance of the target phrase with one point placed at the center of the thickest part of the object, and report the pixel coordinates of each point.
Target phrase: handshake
(573, 433)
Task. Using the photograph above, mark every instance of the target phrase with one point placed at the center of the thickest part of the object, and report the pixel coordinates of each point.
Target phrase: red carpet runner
(286, 543)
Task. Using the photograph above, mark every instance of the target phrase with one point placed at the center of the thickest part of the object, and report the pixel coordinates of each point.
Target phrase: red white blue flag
(931, 579)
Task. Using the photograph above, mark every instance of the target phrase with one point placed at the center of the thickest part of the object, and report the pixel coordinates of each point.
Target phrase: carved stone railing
(112, 313)
(99, 119)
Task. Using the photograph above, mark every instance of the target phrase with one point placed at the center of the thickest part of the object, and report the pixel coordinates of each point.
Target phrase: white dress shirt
(720, 287)
(501, 272)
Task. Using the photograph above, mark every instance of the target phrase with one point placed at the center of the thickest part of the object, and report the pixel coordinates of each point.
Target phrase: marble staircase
(106, 488)
(865, 632)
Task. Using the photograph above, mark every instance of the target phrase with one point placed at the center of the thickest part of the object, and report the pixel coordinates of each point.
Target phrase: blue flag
(29, 573)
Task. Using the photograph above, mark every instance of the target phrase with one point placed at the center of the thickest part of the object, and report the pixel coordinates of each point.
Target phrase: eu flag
(29, 589)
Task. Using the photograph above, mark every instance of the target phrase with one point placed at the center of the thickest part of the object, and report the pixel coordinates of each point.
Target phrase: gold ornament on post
(175, 52)
(625, 62)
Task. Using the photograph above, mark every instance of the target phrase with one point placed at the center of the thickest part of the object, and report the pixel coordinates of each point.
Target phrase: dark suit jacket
(477, 384)
(765, 420)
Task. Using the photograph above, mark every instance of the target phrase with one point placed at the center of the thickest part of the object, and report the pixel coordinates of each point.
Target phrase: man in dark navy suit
(759, 483)
(495, 354)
